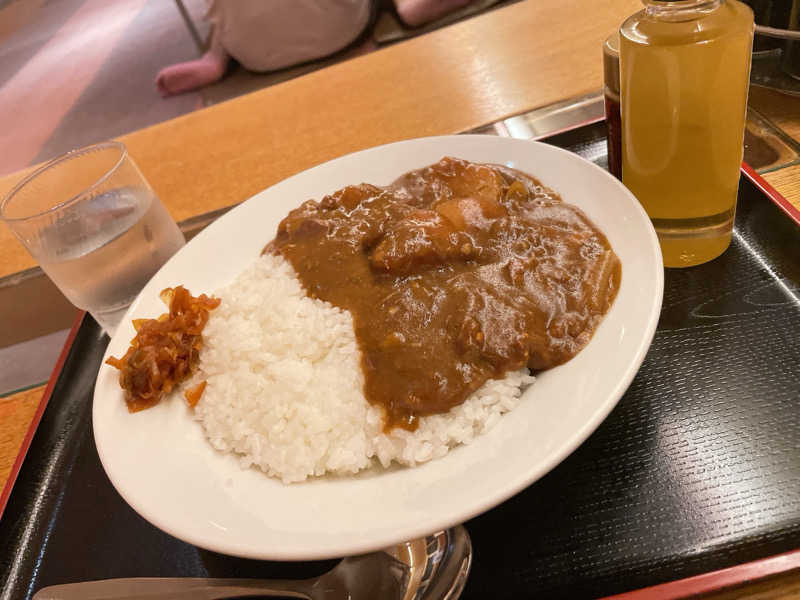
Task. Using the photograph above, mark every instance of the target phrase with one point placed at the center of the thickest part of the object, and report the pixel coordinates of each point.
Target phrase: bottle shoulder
(732, 17)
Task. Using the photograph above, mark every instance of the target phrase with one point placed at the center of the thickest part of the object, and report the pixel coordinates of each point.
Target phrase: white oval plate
(161, 464)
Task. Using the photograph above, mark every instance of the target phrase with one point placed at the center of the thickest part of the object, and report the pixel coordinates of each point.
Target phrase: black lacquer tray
(697, 468)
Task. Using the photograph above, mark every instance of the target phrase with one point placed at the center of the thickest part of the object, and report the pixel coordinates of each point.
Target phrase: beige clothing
(264, 35)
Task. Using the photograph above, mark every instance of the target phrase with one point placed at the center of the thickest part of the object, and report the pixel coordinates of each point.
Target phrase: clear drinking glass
(95, 226)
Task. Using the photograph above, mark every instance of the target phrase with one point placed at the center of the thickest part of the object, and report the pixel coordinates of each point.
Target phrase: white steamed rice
(285, 386)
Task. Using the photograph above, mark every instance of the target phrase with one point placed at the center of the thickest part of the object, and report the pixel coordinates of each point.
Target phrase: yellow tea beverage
(685, 69)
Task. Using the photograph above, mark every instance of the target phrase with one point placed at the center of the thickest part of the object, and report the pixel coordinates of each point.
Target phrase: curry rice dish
(391, 324)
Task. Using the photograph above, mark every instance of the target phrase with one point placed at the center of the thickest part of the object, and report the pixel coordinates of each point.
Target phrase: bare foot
(418, 12)
(194, 74)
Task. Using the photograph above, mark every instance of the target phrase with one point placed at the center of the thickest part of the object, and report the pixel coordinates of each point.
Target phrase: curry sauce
(454, 274)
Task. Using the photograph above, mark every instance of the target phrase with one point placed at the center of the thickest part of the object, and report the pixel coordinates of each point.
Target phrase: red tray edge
(717, 580)
(37, 416)
(787, 207)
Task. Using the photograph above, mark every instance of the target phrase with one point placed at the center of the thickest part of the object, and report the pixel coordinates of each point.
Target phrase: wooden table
(470, 74)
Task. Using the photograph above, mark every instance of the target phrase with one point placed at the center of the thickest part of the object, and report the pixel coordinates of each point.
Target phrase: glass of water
(95, 226)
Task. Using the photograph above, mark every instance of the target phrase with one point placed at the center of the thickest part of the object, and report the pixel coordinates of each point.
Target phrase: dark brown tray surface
(698, 467)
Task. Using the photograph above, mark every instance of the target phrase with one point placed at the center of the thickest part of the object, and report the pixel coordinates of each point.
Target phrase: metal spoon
(434, 567)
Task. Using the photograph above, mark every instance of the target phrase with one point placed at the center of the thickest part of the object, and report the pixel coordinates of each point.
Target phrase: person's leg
(419, 12)
(194, 74)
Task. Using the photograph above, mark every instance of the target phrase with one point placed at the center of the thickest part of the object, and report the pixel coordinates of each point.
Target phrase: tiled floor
(74, 72)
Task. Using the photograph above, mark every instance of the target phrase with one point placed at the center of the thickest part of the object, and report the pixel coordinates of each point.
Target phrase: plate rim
(522, 480)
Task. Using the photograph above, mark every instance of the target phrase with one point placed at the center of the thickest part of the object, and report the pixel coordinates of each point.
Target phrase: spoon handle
(174, 588)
